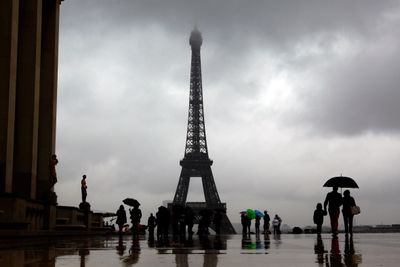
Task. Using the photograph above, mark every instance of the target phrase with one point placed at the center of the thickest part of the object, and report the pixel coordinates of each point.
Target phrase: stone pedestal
(84, 206)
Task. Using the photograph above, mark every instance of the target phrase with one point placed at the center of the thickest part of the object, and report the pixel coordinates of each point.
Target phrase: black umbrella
(341, 181)
(131, 202)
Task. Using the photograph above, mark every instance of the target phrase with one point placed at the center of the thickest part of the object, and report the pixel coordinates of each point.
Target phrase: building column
(27, 99)
(48, 94)
(9, 10)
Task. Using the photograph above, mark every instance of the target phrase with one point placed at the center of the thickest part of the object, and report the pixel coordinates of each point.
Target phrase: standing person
(243, 221)
(318, 217)
(276, 223)
(257, 224)
(121, 218)
(136, 215)
(151, 224)
(348, 202)
(248, 223)
(217, 222)
(334, 199)
(266, 222)
(84, 188)
(159, 225)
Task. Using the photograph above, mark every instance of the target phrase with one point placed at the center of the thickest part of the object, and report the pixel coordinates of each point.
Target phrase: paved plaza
(283, 250)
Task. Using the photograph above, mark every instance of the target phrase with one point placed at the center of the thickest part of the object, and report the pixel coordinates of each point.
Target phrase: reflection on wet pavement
(285, 250)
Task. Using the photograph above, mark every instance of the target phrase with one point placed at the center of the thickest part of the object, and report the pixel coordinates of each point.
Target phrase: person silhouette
(151, 224)
(318, 217)
(257, 224)
(348, 202)
(135, 216)
(266, 222)
(121, 218)
(334, 199)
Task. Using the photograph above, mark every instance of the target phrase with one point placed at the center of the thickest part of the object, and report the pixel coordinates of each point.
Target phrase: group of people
(334, 201)
(135, 216)
(246, 224)
(181, 219)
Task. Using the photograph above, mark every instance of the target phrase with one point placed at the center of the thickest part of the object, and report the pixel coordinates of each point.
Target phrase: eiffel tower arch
(196, 162)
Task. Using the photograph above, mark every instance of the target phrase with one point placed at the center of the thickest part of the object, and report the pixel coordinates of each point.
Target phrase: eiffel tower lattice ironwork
(196, 162)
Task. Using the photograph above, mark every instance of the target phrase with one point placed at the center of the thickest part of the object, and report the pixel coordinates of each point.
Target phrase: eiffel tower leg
(209, 187)
(226, 226)
(183, 187)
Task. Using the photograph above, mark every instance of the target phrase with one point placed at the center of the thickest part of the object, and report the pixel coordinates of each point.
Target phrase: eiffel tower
(196, 162)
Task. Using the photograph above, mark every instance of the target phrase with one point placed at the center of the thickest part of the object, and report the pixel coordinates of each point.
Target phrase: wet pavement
(283, 250)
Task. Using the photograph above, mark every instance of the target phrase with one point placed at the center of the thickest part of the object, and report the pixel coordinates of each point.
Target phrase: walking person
(348, 202)
(121, 218)
(318, 218)
(333, 200)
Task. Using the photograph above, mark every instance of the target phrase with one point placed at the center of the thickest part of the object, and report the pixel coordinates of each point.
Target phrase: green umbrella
(251, 214)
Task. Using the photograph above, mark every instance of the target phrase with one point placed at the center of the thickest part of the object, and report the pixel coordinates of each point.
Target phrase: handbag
(355, 210)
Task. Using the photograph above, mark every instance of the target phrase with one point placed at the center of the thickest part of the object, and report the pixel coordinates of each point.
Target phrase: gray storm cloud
(294, 91)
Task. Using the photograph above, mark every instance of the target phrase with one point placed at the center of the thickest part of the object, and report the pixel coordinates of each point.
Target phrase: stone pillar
(27, 99)
(8, 70)
(48, 94)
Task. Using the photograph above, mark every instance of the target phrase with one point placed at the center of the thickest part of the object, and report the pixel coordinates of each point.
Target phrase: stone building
(28, 100)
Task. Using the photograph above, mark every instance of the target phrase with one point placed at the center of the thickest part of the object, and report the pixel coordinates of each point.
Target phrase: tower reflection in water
(335, 257)
(209, 247)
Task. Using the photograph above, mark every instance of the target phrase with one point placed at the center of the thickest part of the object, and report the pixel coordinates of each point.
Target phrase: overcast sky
(295, 92)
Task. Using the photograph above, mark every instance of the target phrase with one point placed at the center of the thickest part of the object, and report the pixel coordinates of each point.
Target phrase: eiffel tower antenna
(196, 162)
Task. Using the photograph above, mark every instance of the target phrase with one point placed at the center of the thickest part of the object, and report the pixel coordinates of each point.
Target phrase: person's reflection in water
(278, 241)
(134, 253)
(83, 252)
(210, 258)
(120, 248)
(350, 258)
(319, 250)
(267, 242)
(258, 241)
(335, 257)
(181, 258)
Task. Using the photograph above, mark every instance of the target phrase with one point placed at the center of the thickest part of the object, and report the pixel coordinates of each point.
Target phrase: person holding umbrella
(135, 214)
(333, 200)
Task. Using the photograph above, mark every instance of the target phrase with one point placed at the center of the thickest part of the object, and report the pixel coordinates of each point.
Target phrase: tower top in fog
(195, 38)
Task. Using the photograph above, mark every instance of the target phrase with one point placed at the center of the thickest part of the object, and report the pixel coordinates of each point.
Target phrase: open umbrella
(251, 214)
(131, 202)
(341, 181)
(259, 213)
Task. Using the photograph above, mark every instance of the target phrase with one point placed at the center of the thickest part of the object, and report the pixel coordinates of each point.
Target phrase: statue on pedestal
(84, 188)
